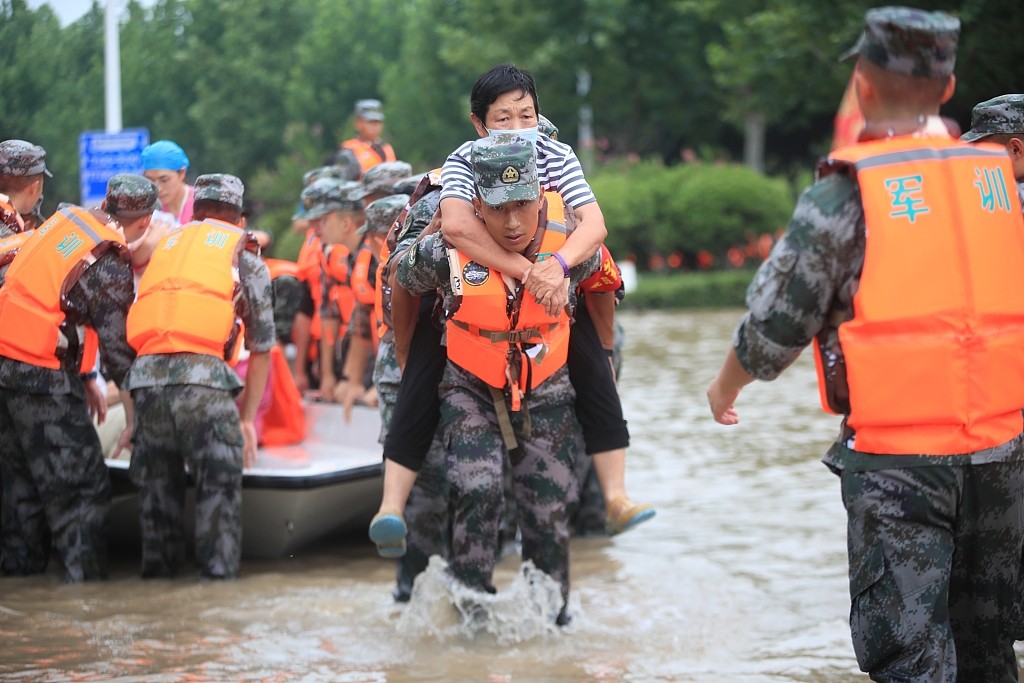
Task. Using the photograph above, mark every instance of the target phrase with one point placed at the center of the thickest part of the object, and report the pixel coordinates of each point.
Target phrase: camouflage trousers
(55, 486)
(197, 426)
(544, 483)
(935, 571)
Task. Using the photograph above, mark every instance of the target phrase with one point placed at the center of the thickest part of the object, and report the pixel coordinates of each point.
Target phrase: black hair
(216, 209)
(498, 81)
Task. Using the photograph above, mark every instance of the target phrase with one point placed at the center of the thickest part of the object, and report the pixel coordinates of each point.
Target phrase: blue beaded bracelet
(561, 261)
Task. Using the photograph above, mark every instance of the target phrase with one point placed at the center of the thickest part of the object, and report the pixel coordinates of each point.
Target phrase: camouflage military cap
(382, 213)
(21, 158)
(381, 178)
(1003, 114)
(220, 187)
(505, 169)
(131, 196)
(329, 171)
(330, 194)
(545, 126)
(908, 41)
(408, 184)
(369, 110)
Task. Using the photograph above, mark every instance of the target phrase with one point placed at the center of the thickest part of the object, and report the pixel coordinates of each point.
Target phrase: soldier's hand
(548, 284)
(722, 403)
(124, 442)
(95, 400)
(352, 392)
(248, 443)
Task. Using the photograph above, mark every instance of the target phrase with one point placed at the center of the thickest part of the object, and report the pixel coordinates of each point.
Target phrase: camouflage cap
(1003, 114)
(330, 194)
(381, 178)
(131, 196)
(382, 213)
(329, 171)
(369, 110)
(220, 187)
(21, 158)
(408, 184)
(545, 126)
(505, 169)
(909, 41)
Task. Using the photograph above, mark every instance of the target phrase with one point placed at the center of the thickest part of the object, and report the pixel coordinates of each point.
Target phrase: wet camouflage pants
(178, 425)
(935, 571)
(54, 484)
(543, 480)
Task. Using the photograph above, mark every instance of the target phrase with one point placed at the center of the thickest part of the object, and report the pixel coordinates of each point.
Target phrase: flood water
(740, 577)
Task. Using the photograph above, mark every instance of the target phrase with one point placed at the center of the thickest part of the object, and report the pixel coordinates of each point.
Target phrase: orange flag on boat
(849, 121)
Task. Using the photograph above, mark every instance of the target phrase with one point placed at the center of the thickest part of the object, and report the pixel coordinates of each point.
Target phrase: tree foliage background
(265, 88)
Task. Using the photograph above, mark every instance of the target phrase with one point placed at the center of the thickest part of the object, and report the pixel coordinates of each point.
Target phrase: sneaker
(387, 530)
(624, 514)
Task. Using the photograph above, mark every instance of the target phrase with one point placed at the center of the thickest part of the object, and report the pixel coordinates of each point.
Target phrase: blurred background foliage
(265, 89)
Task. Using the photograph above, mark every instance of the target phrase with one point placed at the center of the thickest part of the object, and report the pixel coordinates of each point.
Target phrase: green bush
(687, 208)
(716, 289)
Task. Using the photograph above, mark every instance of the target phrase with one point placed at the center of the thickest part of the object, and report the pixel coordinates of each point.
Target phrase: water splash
(443, 609)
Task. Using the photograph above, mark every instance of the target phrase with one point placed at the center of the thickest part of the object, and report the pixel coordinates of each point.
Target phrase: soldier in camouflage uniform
(55, 484)
(1001, 122)
(934, 532)
(185, 401)
(22, 175)
(538, 438)
(363, 326)
(335, 211)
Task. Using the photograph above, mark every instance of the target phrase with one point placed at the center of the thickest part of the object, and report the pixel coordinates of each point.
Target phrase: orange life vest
(48, 265)
(284, 422)
(11, 245)
(935, 351)
(485, 341)
(186, 298)
(362, 286)
(336, 257)
(367, 153)
(281, 268)
(311, 265)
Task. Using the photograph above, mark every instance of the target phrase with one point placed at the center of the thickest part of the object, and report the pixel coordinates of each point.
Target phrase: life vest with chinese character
(33, 299)
(518, 350)
(934, 353)
(340, 286)
(187, 296)
(369, 154)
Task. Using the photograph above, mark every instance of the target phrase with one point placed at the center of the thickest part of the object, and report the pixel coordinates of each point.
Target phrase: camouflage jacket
(425, 268)
(100, 299)
(254, 307)
(804, 291)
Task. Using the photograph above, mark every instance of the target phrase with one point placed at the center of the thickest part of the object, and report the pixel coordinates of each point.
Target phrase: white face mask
(526, 133)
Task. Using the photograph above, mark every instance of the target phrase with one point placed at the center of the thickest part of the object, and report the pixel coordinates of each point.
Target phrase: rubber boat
(329, 484)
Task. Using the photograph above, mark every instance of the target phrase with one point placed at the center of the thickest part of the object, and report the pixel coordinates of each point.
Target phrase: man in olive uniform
(183, 326)
(902, 268)
(55, 484)
(484, 425)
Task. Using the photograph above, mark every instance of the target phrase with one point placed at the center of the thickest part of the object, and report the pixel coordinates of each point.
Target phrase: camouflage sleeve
(418, 218)
(811, 273)
(424, 268)
(359, 325)
(584, 269)
(288, 300)
(109, 289)
(256, 303)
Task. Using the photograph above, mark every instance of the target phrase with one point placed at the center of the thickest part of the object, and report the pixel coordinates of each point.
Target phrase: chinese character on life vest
(992, 187)
(905, 193)
(69, 244)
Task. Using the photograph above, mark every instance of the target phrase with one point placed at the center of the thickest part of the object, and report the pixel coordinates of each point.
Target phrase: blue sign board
(102, 155)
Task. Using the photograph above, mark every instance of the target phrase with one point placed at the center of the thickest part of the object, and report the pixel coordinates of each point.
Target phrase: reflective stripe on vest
(367, 156)
(186, 298)
(48, 265)
(935, 350)
(482, 338)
